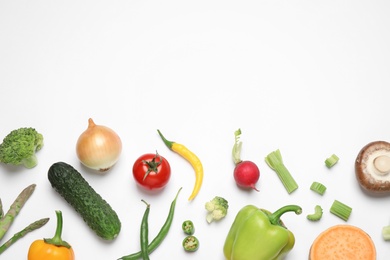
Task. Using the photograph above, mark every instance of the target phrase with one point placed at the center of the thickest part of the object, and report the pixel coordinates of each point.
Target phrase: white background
(310, 78)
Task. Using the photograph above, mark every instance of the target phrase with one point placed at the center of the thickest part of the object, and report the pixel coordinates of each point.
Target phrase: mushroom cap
(368, 178)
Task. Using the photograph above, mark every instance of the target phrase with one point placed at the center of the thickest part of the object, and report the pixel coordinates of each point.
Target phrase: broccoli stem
(30, 162)
(15, 208)
(33, 226)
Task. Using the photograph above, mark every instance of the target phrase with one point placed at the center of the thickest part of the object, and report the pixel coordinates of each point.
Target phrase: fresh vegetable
(94, 210)
(188, 227)
(53, 248)
(161, 234)
(216, 209)
(190, 243)
(33, 226)
(259, 234)
(246, 173)
(191, 158)
(7, 220)
(317, 215)
(151, 171)
(144, 234)
(341, 210)
(318, 188)
(386, 233)
(372, 167)
(275, 162)
(343, 242)
(98, 147)
(19, 147)
(331, 161)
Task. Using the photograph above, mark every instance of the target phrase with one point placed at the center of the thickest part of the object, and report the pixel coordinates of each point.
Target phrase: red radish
(246, 173)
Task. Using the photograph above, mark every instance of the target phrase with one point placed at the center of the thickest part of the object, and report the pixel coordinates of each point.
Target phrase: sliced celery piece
(318, 187)
(341, 210)
(331, 161)
(317, 215)
(386, 233)
(275, 162)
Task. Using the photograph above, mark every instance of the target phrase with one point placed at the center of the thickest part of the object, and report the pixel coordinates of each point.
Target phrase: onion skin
(98, 147)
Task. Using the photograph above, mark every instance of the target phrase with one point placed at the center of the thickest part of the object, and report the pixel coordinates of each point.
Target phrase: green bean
(160, 236)
(144, 234)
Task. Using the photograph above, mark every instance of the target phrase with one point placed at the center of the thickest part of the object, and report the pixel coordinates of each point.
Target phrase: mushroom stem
(382, 164)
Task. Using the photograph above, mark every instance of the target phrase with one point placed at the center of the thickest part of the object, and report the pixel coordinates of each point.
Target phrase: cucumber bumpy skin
(94, 210)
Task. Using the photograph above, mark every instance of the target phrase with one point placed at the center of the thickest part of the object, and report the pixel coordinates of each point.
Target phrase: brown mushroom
(372, 167)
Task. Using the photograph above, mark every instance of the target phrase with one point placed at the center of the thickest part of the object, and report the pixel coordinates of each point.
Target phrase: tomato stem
(152, 165)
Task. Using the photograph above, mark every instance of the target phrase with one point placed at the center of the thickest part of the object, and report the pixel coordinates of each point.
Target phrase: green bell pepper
(257, 234)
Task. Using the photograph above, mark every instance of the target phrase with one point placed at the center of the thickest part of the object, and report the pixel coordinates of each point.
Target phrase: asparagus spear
(15, 208)
(1, 210)
(33, 226)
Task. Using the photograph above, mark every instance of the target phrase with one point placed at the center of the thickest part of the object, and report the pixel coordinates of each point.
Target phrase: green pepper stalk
(57, 239)
(259, 234)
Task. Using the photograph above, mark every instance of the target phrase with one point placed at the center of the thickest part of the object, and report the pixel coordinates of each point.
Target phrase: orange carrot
(343, 242)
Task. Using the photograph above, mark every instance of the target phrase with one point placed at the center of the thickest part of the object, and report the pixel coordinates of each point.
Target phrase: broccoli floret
(19, 147)
(216, 209)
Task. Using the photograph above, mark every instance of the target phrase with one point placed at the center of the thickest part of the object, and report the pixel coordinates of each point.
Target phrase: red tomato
(151, 171)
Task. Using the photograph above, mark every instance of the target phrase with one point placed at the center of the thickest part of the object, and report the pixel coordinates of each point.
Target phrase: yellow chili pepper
(191, 158)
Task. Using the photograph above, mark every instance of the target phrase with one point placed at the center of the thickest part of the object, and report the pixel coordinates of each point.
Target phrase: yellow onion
(98, 147)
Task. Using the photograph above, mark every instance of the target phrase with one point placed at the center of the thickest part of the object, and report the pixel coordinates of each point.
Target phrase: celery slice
(317, 215)
(341, 210)
(318, 188)
(331, 161)
(386, 233)
(275, 162)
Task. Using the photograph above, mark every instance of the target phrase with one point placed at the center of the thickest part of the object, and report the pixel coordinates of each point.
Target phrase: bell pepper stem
(274, 218)
(57, 240)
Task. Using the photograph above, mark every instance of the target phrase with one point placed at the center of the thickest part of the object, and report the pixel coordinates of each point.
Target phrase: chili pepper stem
(166, 142)
(57, 240)
(274, 218)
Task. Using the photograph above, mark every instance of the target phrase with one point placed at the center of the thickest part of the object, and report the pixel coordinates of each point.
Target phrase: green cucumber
(94, 210)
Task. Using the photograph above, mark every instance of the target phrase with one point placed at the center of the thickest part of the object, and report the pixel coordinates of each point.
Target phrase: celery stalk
(317, 215)
(318, 187)
(331, 161)
(341, 210)
(275, 162)
(386, 233)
